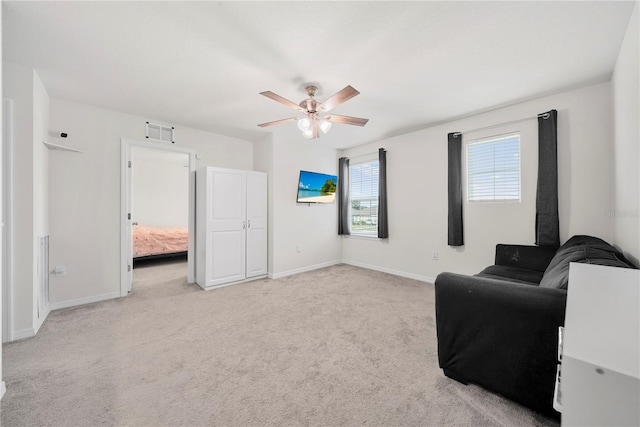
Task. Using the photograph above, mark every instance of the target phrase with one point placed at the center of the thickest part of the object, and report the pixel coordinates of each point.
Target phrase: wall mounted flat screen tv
(316, 187)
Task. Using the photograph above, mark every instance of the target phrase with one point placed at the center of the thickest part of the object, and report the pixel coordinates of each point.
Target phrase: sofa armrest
(525, 257)
(502, 336)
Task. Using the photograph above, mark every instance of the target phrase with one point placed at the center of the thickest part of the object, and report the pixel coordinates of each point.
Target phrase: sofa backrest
(585, 249)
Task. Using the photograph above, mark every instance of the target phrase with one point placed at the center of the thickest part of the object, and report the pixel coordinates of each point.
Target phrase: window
(493, 169)
(363, 187)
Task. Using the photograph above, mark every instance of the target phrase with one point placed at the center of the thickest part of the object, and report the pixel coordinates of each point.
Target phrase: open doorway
(158, 209)
(159, 212)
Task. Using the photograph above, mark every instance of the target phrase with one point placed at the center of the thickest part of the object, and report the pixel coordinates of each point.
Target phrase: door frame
(126, 237)
(7, 229)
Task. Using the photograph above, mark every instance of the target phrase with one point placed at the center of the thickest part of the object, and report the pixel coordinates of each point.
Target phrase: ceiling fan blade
(283, 101)
(344, 95)
(277, 122)
(347, 120)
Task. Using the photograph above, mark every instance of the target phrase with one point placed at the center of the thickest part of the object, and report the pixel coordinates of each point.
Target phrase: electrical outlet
(298, 248)
(434, 255)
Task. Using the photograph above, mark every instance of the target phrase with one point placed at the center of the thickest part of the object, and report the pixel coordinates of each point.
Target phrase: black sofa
(499, 328)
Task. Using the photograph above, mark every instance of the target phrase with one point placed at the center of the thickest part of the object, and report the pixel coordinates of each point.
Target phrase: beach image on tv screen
(317, 188)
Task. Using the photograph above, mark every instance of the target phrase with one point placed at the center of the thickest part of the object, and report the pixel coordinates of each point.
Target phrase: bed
(159, 242)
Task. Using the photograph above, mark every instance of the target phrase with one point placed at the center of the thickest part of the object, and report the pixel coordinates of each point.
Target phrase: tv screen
(316, 187)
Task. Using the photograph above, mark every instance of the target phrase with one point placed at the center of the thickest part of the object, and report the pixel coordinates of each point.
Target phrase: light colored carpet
(337, 346)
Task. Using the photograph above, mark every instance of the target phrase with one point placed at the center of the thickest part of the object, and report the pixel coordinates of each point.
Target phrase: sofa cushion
(585, 249)
(512, 274)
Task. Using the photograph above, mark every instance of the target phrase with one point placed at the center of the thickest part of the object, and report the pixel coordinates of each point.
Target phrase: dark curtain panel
(383, 221)
(547, 222)
(343, 196)
(455, 190)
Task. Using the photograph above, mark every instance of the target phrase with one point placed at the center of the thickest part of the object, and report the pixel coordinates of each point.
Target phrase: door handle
(249, 221)
(243, 225)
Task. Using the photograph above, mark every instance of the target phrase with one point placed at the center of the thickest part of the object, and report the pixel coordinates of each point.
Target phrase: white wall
(84, 193)
(29, 191)
(18, 85)
(160, 187)
(304, 237)
(625, 91)
(417, 187)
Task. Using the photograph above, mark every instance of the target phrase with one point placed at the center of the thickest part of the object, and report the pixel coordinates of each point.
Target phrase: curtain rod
(545, 116)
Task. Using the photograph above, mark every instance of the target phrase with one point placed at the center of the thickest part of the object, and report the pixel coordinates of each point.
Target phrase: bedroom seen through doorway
(159, 215)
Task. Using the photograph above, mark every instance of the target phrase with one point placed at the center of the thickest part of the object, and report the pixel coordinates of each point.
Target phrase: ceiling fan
(314, 119)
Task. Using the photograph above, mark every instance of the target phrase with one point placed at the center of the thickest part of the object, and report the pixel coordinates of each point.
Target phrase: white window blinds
(364, 197)
(493, 169)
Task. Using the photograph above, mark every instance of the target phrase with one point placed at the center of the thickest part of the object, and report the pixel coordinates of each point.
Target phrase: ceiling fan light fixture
(304, 124)
(308, 133)
(325, 125)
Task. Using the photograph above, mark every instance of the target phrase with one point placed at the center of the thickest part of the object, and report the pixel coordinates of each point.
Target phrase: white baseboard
(251, 279)
(81, 301)
(3, 389)
(304, 269)
(23, 333)
(31, 332)
(413, 276)
(390, 271)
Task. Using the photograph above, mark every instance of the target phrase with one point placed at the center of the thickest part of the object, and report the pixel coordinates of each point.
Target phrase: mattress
(159, 240)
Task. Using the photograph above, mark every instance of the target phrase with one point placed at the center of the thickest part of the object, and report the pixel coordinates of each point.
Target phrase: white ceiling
(203, 64)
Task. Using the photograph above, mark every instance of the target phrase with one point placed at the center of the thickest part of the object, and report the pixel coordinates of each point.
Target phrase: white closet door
(227, 226)
(256, 224)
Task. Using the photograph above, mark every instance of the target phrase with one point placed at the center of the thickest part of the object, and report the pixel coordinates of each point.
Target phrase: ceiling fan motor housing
(311, 105)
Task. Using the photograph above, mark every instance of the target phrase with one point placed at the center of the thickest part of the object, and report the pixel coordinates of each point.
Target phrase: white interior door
(256, 224)
(226, 207)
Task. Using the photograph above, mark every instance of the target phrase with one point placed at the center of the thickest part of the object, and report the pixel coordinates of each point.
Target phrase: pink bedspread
(159, 240)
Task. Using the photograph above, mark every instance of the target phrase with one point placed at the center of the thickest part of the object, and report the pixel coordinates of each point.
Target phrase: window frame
(468, 174)
(373, 159)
